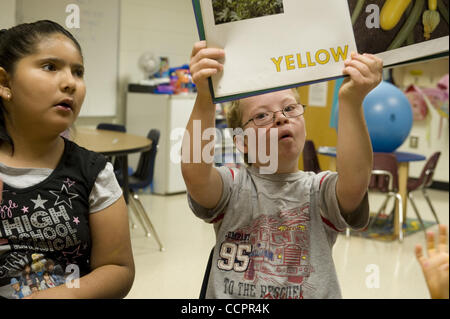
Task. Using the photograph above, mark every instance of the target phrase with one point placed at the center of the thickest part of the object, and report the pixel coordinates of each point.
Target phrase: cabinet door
(144, 112)
(179, 113)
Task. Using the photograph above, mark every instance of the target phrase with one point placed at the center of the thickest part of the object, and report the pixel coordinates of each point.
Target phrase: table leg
(126, 189)
(403, 168)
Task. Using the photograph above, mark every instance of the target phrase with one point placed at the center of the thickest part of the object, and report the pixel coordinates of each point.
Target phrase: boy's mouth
(284, 136)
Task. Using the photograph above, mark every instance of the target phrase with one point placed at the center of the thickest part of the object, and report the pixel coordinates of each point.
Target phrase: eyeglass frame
(273, 114)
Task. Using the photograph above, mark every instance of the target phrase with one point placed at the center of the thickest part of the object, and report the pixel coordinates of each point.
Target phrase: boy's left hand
(365, 73)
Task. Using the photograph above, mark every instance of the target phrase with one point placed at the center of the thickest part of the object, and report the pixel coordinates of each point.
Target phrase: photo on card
(226, 11)
(381, 26)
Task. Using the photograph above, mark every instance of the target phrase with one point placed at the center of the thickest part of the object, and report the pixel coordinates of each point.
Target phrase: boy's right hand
(204, 63)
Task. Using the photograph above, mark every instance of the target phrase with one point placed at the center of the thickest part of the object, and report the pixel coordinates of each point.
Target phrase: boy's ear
(5, 91)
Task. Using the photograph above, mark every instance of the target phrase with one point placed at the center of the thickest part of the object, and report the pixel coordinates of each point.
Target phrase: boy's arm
(354, 149)
(203, 181)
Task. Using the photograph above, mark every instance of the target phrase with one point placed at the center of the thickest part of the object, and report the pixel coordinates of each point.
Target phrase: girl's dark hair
(19, 42)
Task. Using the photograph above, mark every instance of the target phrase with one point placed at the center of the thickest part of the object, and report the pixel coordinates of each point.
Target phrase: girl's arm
(354, 149)
(112, 262)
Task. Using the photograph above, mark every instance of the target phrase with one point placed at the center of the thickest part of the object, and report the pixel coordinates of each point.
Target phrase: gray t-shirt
(275, 233)
(105, 192)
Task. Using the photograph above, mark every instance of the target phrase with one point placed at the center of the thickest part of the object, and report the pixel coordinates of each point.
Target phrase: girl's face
(47, 87)
(291, 131)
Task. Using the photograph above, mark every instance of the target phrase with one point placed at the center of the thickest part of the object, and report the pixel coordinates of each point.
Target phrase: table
(112, 143)
(403, 159)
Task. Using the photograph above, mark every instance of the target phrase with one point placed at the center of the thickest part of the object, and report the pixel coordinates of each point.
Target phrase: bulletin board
(98, 35)
(317, 122)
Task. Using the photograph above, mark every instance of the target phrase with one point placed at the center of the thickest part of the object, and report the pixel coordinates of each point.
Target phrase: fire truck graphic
(279, 247)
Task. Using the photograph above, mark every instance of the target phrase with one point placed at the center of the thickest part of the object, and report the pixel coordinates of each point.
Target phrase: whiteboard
(98, 36)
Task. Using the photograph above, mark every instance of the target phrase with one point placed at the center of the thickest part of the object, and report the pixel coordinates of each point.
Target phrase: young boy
(275, 232)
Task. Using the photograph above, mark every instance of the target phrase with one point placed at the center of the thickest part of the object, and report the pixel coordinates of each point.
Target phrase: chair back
(111, 127)
(384, 173)
(117, 128)
(145, 169)
(310, 160)
(426, 176)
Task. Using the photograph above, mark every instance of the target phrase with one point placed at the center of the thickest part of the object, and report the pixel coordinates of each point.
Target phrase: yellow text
(309, 59)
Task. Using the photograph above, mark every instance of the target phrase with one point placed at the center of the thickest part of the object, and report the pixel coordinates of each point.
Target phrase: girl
(59, 200)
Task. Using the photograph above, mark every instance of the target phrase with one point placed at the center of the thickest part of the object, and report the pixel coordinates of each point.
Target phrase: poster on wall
(277, 44)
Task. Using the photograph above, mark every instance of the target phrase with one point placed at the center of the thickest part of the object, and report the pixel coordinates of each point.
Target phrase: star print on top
(44, 228)
(64, 196)
(39, 202)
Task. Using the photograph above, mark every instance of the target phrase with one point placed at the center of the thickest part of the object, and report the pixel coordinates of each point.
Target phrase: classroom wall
(433, 134)
(98, 35)
(7, 13)
(165, 28)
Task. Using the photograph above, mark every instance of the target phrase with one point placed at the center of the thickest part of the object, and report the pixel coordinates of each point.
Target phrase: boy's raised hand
(435, 266)
(203, 64)
(365, 73)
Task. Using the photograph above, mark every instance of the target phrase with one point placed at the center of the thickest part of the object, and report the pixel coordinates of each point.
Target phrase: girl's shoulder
(75, 154)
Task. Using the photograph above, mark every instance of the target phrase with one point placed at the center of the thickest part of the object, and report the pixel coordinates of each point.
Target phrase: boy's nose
(280, 119)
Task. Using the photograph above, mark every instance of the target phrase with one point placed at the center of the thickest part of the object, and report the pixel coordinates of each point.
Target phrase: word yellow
(321, 56)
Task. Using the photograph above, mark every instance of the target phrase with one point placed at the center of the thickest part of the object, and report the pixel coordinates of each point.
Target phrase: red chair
(385, 180)
(422, 183)
(310, 160)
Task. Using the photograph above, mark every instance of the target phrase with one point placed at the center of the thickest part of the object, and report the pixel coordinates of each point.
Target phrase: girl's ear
(5, 91)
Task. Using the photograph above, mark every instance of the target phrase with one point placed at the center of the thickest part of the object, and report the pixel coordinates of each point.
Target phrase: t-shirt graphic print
(44, 229)
(272, 255)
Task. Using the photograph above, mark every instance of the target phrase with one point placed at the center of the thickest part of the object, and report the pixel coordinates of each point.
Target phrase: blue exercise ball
(388, 115)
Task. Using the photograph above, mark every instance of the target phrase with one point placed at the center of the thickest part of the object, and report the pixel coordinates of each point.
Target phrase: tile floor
(178, 271)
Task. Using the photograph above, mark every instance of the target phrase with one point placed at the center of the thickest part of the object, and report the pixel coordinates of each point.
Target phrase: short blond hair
(234, 114)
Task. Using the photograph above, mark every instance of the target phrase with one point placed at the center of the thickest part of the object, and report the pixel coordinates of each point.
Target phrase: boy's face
(291, 133)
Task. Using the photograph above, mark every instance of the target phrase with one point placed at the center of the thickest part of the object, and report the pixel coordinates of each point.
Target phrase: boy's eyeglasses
(268, 117)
